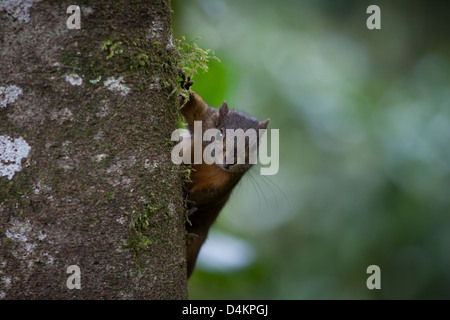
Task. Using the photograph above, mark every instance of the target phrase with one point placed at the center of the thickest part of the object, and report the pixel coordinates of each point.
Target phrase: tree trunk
(86, 177)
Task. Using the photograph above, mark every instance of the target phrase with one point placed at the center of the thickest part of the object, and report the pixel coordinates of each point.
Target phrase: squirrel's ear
(263, 124)
(223, 111)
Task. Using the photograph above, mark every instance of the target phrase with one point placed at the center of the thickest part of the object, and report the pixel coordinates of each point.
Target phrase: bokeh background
(364, 120)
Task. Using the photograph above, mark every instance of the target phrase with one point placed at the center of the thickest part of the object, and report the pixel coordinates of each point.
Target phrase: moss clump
(143, 219)
(143, 61)
(140, 222)
(192, 58)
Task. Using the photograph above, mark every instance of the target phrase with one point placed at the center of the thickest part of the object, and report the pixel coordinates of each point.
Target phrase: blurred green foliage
(364, 120)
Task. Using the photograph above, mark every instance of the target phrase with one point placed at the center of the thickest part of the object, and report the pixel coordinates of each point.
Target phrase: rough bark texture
(86, 176)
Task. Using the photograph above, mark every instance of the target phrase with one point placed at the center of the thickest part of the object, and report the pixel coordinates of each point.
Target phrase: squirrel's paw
(185, 82)
(191, 204)
(192, 210)
(186, 192)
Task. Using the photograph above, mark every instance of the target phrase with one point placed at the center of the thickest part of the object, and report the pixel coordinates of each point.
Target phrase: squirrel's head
(241, 134)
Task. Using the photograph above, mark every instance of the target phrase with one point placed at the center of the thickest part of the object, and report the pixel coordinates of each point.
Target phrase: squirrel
(210, 185)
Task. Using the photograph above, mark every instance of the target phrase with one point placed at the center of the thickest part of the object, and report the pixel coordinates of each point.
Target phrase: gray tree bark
(86, 177)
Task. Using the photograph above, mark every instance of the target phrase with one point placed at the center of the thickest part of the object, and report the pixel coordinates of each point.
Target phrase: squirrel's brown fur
(210, 185)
